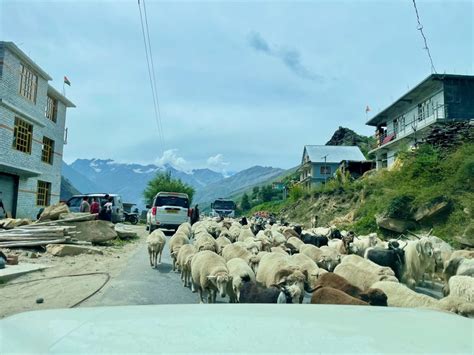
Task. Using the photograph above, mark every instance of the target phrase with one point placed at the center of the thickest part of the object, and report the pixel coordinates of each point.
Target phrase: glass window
(325, 170)
(22, 135)
(43, 195)
(171, 201)
(28, 83)
(51, 108)
(48, 150)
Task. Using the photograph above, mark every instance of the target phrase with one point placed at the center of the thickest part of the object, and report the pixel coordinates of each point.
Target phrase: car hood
(240, 328)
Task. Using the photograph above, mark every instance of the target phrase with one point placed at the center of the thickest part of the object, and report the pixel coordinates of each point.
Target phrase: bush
(296, 192)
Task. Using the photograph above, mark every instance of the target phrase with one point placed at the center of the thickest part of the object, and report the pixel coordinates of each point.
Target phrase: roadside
(55, 287)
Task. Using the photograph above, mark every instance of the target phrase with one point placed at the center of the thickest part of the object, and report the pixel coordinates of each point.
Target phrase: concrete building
(320, 162)
(438, 99)
(32, 134)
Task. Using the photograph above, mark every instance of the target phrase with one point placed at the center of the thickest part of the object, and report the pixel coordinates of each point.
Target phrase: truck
(223, 208)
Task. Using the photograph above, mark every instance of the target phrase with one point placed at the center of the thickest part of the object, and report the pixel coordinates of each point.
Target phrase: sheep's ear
(210, 277)
(418, 247)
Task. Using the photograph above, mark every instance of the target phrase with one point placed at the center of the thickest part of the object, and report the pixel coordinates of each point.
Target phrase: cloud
(171, 157)
(217, 163)
(291, 58)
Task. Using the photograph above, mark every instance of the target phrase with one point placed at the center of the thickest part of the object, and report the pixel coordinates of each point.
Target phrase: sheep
(278, 239)
(185, 254)
(393, 257)
(329, 295)
(290, 233)
(275, 269)
(240, 272)
(209, 273)
(234, 231)
(459, 266)
(400, 295)
(317, 241)
(367, 265)
(418, 258)
(205, 242)
(279, 250)
(252, 245)
(221, 242)
(252, 292)
(294, 243)
(330, 258)
(185, 228)
(442, 252)
(363, 242)
(461, 287)
(176, 242)
(235, 251)
(344, 245)
(309, 268)
(374, 297)
(312, 251)
(245, 233)
(361, 278)
(156, 242)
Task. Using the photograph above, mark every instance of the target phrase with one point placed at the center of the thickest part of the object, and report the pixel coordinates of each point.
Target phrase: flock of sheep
(259, 262)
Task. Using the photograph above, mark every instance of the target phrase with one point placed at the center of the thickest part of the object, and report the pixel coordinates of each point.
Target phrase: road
(140, 284)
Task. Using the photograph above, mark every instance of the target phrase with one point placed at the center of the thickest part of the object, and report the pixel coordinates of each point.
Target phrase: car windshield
(254, 151)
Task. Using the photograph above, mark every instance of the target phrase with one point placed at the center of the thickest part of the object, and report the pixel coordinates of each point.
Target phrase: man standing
(195, 215)
(85, 207)
(95, 207)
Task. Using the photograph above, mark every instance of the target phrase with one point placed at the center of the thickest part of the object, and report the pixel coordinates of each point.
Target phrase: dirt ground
(20, 294)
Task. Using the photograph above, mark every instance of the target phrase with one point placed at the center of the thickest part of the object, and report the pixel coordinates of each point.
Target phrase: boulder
(395, 224)
(79, 216)
(10, 223)
(52, 213)
(69, 249)
(96, 231)
(125, 231)
(431, 210)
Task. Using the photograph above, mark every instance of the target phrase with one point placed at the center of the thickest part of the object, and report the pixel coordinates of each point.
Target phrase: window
(44, 193)
(48, 150)
(22, 136)
(51, 108)
(325, 170)
(28, 83)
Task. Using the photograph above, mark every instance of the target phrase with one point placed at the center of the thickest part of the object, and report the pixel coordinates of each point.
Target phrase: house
(319, 162)
(438, 99)
(32, 121)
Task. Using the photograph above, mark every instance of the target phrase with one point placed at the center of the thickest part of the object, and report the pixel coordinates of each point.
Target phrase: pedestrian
(103, 208)
(2, 207)
(108, 209)
(95, 206)
(195, 215)
(85, 206)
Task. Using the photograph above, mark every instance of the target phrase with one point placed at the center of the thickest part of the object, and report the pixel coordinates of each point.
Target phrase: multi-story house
(320, 162)
(32, 134)
(438, 99)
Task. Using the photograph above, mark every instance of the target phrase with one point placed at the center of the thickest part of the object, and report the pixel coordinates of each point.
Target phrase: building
(32, 121)
(438, 99)
(320, 162)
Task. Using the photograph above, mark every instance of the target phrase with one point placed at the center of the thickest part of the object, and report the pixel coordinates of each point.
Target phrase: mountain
(67, 189)
(236, 183)
(80, 181)
(346, 136)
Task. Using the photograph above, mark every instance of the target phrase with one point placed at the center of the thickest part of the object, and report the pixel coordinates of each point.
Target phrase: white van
(168, 211)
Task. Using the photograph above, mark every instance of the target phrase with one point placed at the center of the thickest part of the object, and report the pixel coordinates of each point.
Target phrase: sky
(239, 83)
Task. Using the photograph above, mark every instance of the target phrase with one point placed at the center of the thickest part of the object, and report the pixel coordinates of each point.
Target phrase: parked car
(74, 204)
(168, 211)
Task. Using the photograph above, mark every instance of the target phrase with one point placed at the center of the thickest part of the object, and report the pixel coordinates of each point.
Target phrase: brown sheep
(329, 295)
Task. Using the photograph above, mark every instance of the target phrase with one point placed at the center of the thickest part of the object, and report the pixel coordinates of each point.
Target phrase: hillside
(346, 136)
(67, 189)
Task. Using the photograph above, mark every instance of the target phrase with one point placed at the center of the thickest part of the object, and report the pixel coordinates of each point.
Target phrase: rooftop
(17, 51)
(333, 153)
(430, 84)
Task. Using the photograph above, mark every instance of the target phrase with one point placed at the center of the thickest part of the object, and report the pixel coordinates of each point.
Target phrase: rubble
(53, 212)
(123, 231)
(10, 223)
(68, 249)
(93, 231)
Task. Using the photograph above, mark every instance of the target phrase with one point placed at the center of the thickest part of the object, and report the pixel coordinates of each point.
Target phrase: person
(95, 207)
(85, 207)
(103, 215)
(108, 209)
(195, 215)
(2, 207)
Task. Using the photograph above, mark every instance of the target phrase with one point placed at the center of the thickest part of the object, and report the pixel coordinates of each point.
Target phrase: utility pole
(325, 168)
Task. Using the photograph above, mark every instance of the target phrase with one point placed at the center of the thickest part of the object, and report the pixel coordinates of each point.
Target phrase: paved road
(139, 284)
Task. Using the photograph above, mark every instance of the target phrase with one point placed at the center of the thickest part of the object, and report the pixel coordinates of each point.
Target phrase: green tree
(266, 193)
(255, 192)
(245, 203)
(164, 182)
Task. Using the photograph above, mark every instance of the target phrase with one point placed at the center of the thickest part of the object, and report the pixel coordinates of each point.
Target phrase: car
(168, 211)
(74, 204)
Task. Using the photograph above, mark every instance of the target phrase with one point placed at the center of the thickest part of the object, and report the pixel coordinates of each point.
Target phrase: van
(74, 204)
(168, 211)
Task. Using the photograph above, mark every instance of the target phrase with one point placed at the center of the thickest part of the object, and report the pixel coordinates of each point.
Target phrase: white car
(168, 211)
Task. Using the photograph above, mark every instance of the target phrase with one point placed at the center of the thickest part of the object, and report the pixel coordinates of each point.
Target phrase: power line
(152, 84)
(420, 28)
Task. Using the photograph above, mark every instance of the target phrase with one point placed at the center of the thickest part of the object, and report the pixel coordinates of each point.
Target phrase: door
(8, 194)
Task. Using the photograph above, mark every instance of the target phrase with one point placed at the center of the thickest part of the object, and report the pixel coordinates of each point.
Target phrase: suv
(74, 204)
(168, 211)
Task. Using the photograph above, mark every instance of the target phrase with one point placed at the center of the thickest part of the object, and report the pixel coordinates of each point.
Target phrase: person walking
(85, 206)
(195, 215)
(95, 207)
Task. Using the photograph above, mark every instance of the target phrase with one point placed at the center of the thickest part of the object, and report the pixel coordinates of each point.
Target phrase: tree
(255, 192)
(164, 182)
(266, 193)
(245, 203)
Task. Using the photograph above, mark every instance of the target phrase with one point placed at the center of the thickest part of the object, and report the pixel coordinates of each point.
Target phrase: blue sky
(239, 83)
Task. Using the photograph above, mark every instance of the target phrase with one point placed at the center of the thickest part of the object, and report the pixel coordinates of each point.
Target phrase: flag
(367, 109)
(66, 81)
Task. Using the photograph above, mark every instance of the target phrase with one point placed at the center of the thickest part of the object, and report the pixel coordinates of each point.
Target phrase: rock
(394, 224)
(84, 215)
(431, 210)
(69, 249)
(124, 231)
(468, 236)
(9, 223)
(53, 212)
(39, 300)
(96, 231)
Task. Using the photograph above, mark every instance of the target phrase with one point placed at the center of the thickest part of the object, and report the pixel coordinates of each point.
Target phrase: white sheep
(240, 272)
(245, 233)
(363, 242)
(209, 274)
(309, 268)
(156, 242)
(312, 251)
(176, 242)
(295, 243)
(459, 266)
(279, 250)
(419, 258)
(360, 277)
(399, 295)
(185, 254)
(232, 251)
(234, 231)
(462, 287)
(367, 265)
(186, 228)
(278, 239)
(330, 258)
(205, 242)
(221, 242)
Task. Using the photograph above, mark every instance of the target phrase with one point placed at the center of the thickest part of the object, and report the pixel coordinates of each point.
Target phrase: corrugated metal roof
(334, 153)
